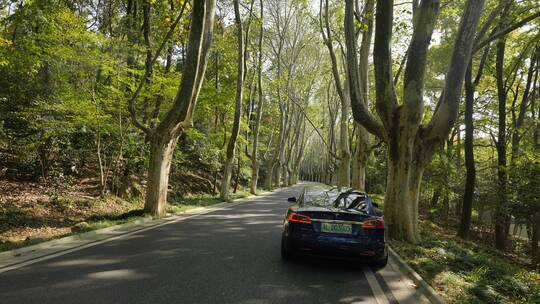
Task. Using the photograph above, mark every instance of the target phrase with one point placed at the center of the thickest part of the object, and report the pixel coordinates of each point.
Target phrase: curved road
(230, 255)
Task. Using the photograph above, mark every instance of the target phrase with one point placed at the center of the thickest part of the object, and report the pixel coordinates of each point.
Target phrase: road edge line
(423, 286)
(376, 288)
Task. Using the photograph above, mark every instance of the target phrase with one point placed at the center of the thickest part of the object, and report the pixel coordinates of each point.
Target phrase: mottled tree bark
(231, 146)
(360, 160)
(159, 165)
(164, 135)
(410, 145)
(535, 255)
(344, 165)
(470, 180)
(501, 212)
(258, 116)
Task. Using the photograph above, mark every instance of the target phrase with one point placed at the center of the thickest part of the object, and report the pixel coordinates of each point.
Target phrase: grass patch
(200, 200)
(464, 273)
(10, 245)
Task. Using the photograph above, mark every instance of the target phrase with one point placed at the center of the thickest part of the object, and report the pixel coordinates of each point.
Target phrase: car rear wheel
(379, 264)
(285, 254)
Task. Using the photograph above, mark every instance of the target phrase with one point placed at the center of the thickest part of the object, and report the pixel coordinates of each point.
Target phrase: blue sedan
(335, 224)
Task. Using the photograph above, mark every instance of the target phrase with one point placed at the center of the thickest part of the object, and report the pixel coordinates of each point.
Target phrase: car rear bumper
(336, 248)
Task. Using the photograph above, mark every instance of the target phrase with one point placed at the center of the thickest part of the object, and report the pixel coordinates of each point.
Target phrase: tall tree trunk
(254, 175)
(517, 122)
(237, 175)
(231, 146)
(360, 160)
(411, 146)
(344, 171)
(415, 180)
(435, 198)
(131, 13)
(269, 174)
(285, 172)
(285, 147)
(399, 205)
(362, 149)
(299, 154)
(254, 160)
(277, 162)
(164, 135)
(161, 154)
(295, 145)
(535, 255)
(501, 208)
(147, 12)
(100, 161)
(466, 213)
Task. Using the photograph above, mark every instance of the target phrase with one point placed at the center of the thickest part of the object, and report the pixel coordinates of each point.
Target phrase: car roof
(318, 189)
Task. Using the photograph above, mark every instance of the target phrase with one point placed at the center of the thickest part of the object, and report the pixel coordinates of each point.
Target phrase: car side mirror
(291, 199)
(376, 205)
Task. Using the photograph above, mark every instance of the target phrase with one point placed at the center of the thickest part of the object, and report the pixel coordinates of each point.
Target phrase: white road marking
(378, 292)
(401, 286)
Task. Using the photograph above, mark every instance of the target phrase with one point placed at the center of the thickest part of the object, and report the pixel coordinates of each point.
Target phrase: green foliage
(464, 273)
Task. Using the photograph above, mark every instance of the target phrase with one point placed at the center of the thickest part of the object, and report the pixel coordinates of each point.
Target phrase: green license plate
(336, 228)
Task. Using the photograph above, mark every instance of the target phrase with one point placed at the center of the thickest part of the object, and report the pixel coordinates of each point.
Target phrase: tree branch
(328, 42)
(505, 31)
(481, 66)
(483, 30)
(360, 110)
(180, 115)
(386, 100)
(446, 113)
(314, 127)
(415, 69)
(131, 105)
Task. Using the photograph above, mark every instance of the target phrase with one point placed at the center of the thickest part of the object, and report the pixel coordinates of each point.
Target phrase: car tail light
(373, 224)
(299, 218)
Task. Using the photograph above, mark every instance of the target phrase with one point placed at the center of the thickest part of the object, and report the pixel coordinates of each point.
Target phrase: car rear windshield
(337, 199)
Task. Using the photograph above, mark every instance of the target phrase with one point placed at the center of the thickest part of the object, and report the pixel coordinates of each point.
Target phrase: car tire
(285, 254)
(379, 264)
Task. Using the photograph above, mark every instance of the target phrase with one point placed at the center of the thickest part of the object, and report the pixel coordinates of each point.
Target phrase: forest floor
(31, 213)
(464, 272)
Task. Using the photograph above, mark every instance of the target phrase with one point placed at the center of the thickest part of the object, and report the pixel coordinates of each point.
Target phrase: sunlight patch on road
(353, 300)
(238, 216)
(117, 274)
(262, 222)
(280, 291)
(84, 262)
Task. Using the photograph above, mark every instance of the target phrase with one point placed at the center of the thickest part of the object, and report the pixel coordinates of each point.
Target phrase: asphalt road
(230, 255)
